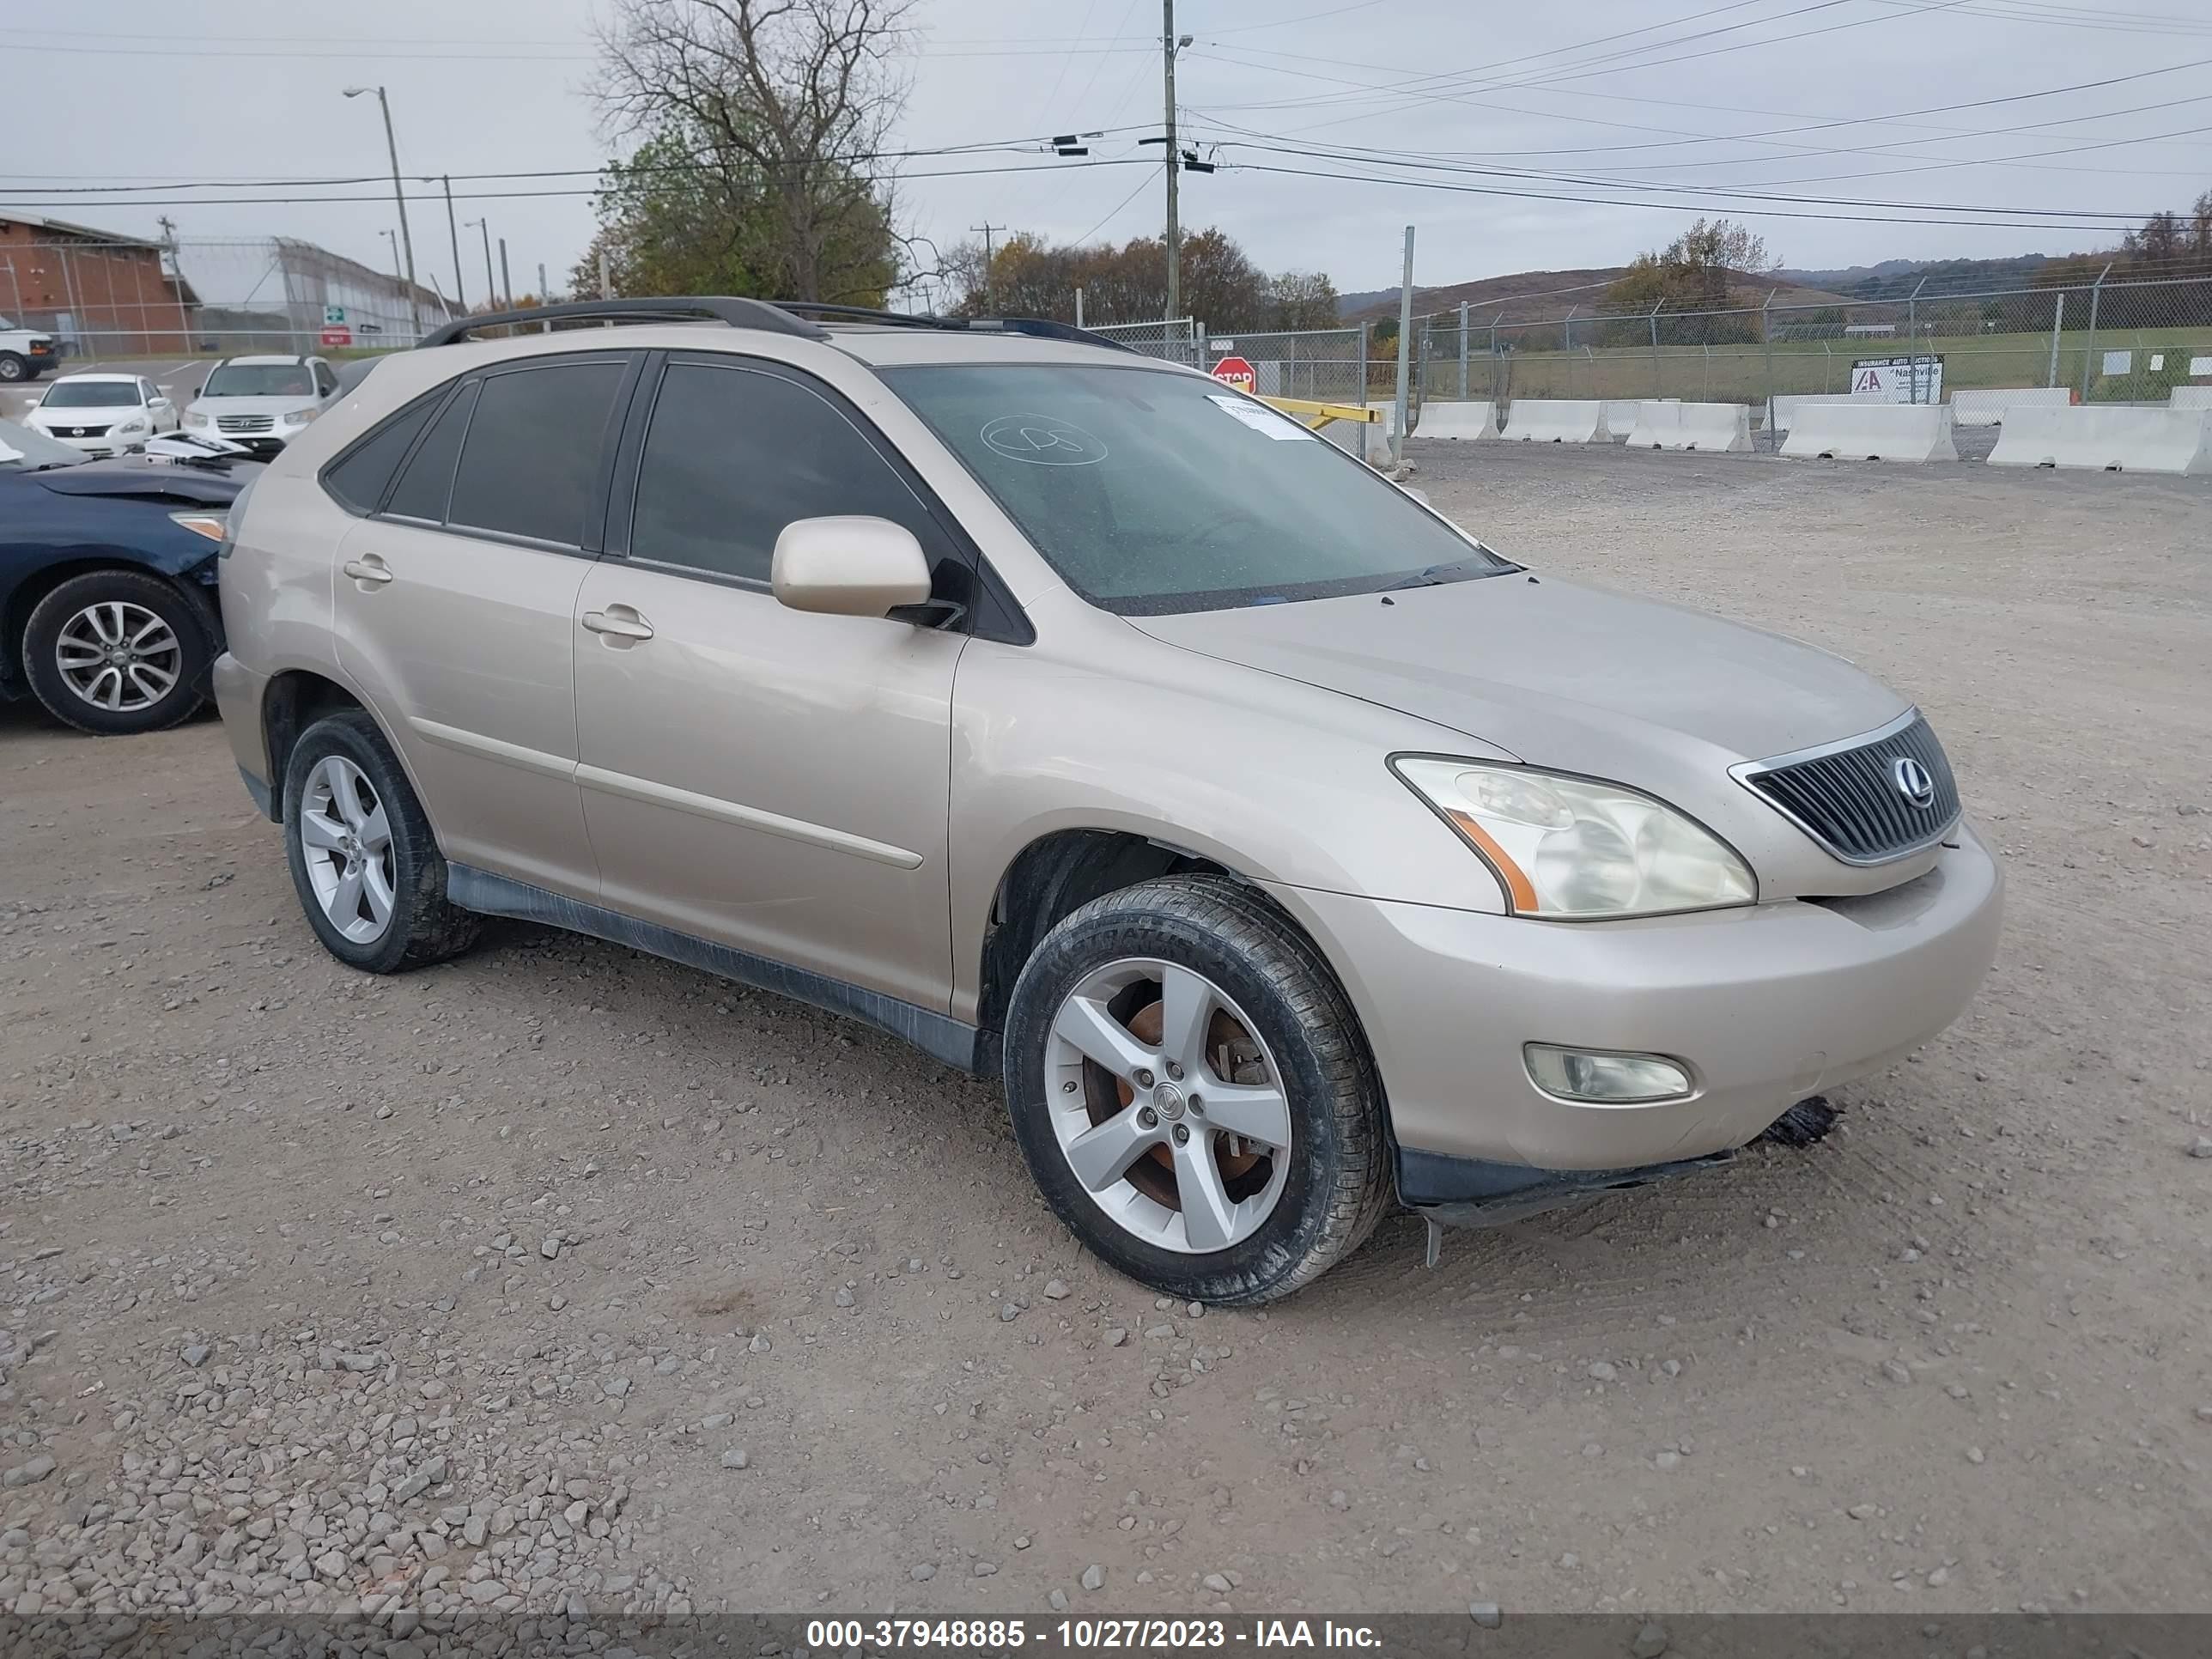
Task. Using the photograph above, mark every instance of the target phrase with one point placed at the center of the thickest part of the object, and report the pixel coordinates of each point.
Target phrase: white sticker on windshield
(1261, 418)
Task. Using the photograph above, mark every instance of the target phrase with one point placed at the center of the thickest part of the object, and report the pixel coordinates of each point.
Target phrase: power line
(1720, 194)
(1948, 220)
(522, 195)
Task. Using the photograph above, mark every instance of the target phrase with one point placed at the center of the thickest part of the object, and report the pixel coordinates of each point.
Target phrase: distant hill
(1535, 296)
(1894, 279)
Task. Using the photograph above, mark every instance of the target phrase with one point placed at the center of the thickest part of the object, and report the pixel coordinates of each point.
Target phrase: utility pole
(1173, 159)
(505, 281)
(406, 238)
(491, 288)
(606, 277)
(1405, 379)
(452, 231)
(986, 230)
(391, 237)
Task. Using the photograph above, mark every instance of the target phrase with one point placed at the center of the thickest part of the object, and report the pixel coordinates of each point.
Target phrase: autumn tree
(759, 127)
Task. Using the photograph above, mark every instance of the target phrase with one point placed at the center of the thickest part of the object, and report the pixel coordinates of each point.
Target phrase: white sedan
(103, 414)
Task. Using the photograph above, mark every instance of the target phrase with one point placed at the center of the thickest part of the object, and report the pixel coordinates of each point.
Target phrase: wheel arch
(1060, 871)
(293, 700)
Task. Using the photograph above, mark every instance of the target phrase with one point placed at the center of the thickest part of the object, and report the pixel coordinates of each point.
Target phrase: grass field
(1740, 372)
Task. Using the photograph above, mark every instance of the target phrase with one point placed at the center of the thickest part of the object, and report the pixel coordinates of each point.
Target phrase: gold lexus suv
(1284, 850)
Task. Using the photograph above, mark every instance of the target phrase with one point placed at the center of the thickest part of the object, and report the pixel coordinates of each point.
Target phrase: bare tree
(790, 102)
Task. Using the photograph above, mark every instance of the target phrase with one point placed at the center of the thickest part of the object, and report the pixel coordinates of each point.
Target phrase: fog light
(1605, 1080)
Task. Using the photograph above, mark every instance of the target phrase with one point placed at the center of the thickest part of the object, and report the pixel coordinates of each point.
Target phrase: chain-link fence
(108, 297)
(1175, 338)
(2117, 341)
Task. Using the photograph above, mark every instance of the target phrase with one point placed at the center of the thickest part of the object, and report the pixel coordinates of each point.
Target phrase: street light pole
(460, 282)
(491, 288)
(393, 238)
(406, 237)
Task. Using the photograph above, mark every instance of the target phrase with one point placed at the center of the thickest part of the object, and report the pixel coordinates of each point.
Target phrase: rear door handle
(370, 570)
(619, 620)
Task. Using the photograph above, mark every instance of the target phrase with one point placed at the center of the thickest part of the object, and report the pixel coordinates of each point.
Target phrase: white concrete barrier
(1722, 426)
(1866, 431)
(1987, 406)
(2190, 396)
(2115, 438)
(1458, 420)
(1556, 421)
(1621, 414)
(1375, 437)
(1787, 403)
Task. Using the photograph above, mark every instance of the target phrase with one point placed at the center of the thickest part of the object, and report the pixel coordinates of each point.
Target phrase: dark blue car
(107, 574)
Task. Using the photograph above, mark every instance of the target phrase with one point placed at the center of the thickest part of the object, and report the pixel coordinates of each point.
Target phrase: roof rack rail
(723, 309)
(1036, 327)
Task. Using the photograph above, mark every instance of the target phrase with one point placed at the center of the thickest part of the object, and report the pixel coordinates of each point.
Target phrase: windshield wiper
(1439, 575)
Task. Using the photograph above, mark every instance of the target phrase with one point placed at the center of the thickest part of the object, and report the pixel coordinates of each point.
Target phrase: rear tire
(161, 645)
(364, 861)
(1300, 1041)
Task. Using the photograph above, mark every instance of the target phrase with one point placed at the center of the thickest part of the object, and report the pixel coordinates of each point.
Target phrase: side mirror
(849, 567)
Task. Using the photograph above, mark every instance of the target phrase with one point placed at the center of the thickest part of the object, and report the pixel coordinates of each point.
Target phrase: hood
(88, 415)
(212, 486)
(1577, 679)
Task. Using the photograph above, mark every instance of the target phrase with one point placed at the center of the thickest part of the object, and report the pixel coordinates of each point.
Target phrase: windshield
(1151, 491)
(90, 394)
(22, 450)
(260, 380)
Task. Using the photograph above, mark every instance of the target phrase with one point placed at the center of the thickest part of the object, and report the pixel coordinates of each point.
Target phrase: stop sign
(1237, 372)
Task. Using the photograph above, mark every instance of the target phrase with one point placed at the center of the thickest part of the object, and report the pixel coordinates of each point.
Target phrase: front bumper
(1768, 1004)
(99, 447)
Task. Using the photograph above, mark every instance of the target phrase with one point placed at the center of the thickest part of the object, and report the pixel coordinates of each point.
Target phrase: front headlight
(298, 416)
(1574, 849)
(194, 420)
(136, 423)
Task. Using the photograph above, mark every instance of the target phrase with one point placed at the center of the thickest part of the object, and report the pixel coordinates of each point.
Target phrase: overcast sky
(1607, 99)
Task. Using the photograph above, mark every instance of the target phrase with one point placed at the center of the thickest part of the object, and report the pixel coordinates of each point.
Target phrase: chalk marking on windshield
(1042, 441)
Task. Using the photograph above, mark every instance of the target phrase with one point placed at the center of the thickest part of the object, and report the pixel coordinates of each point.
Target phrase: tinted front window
(735, 454)
(428, 483)
(360, 478)
(533, 455)
(260, 380)
(90, 394)
(1151, 490)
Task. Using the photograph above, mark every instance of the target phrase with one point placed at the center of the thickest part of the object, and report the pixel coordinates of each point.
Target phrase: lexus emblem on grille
(1913, 781)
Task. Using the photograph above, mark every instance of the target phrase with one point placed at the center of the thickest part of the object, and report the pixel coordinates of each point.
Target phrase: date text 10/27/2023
(1083, 1635)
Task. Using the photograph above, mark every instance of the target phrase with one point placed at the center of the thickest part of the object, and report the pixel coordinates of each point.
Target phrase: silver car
(1288, 853)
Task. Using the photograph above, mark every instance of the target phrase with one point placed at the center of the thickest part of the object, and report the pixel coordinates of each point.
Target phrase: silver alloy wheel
(1168, 1106)
(119, 657)
(347, 839)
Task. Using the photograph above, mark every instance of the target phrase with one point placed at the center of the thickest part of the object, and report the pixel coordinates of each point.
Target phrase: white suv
(261, 403)
(103, 414)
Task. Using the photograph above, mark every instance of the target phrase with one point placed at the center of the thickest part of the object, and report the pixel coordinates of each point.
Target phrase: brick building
(98, 294)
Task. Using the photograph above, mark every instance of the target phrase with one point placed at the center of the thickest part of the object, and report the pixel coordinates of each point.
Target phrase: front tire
(117, 652)
(1194, 1095)
(364, 862)
(14, 371)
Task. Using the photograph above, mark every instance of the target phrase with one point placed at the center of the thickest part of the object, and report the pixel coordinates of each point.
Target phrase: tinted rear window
(358, 480)
(428, 483)
(533, 450)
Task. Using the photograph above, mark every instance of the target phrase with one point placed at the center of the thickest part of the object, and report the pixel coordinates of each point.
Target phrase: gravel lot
(561, 1279)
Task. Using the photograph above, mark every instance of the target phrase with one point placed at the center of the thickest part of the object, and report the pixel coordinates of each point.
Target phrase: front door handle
(620, 621)
(371, 569)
